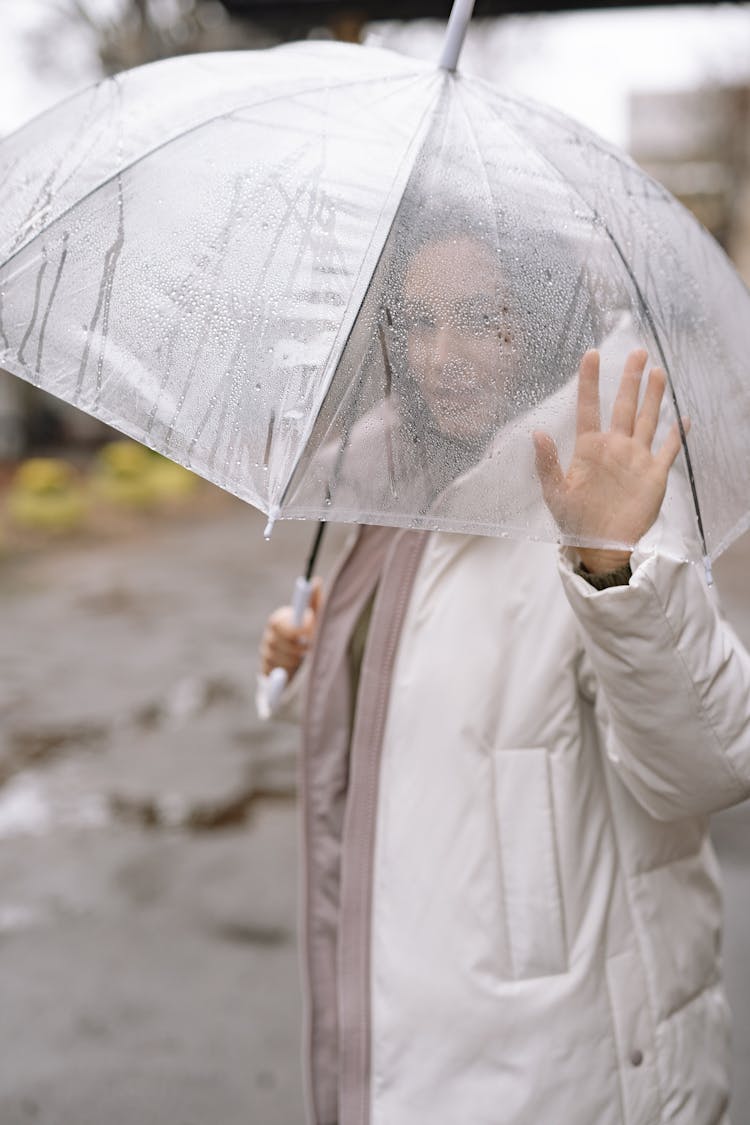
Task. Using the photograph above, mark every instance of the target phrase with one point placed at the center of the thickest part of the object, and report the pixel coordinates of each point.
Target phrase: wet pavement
(148, 833)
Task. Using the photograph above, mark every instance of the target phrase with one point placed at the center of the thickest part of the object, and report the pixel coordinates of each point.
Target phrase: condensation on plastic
(344, 285)
(204, 236)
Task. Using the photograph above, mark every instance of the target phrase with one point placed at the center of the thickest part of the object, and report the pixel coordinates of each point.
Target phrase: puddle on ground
(35, 803)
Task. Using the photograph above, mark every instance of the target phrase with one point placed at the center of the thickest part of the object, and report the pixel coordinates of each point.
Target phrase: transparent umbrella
(347, 285)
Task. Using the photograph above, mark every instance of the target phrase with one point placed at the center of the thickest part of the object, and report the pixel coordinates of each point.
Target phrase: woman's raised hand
(615, 484)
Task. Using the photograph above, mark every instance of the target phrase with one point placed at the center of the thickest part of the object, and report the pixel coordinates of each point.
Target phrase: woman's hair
(547, 280)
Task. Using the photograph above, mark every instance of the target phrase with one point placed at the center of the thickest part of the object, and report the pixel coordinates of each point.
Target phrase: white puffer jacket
(512, 908)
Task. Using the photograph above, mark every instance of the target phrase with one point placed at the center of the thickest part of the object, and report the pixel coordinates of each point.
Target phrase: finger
(309, 623)
(273, 657)
(271, 660)
(648, 416)
(288, 644)
(316, 595)
(291, 649)
(672, 445)
(626, 403)
(282, 622)
(548, 466)
(587, 414)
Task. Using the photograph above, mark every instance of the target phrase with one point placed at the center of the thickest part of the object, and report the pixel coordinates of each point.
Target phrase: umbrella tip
(455, 32)
(709, 570)
(273, 515)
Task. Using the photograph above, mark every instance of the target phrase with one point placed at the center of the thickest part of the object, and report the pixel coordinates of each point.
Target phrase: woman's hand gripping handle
(287, 638)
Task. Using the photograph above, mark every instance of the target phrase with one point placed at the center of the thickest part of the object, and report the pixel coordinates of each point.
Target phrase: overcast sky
(584, 63)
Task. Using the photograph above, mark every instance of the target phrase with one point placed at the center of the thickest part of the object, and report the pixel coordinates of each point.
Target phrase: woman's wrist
(598, 562)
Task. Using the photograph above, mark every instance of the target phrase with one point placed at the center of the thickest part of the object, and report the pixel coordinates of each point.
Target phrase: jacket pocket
(529, 862)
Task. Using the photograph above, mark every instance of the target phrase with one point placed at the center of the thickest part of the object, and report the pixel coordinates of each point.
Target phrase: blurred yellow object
(47, 495)
(124, 458)
(129, 474)
(122, 475)
(171, 481)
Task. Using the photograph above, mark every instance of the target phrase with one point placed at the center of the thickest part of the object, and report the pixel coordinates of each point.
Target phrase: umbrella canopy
(347, 285)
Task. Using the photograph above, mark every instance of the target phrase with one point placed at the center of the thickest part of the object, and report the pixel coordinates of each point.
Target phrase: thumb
(547, 465)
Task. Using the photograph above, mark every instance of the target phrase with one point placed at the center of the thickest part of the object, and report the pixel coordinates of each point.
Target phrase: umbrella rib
(400, 179)
(178, 136)
(648, 317)
(475, 139)
(348, 426)
(542, 109)
(683, 436)
(579, 282)
(388, 389)
(269, 438)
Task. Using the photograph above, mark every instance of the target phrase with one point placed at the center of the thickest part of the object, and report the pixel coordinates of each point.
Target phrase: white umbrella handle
(278, 678)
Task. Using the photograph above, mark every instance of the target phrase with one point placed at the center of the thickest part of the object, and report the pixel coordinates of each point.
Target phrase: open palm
(615, 484)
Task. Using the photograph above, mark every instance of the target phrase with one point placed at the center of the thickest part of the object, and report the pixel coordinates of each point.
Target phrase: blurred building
(697, 143)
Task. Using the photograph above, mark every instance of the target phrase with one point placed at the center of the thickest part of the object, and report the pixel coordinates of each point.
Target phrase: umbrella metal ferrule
(709, 570)
(273, 515)
(455, 33)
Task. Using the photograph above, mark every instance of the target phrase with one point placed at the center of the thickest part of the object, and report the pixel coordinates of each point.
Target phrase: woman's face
(460, 343)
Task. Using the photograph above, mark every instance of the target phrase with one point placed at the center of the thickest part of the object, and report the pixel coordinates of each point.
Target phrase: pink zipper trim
(324, 793)
(358, 846)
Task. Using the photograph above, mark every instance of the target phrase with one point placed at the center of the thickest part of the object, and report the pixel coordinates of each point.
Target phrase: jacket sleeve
(676, 685)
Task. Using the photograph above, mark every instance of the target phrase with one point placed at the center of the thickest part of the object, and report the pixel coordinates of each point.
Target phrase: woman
(512, 911)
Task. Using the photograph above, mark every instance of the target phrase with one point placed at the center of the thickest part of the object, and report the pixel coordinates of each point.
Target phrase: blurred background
(148, 834)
